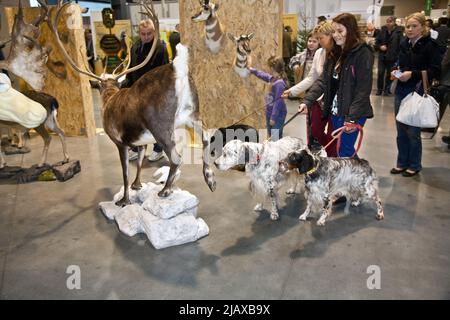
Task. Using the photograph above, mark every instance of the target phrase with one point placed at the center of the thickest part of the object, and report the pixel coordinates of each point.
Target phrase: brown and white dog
(261, 166)
(327, 179)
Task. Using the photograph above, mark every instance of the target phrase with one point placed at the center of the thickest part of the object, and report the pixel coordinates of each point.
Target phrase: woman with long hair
(418, 51)
(346, 82)
(318, 123)
(302, 62)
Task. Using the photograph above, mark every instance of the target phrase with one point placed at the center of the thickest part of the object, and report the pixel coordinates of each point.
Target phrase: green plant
(302, 39)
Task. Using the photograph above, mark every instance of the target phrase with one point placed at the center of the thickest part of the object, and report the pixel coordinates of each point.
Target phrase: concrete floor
(45, 227)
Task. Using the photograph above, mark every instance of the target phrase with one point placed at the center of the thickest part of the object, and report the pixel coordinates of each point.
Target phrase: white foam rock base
(167, 221)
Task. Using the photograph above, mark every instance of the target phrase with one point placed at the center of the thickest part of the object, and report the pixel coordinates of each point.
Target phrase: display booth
(71, 89)
(224, 96)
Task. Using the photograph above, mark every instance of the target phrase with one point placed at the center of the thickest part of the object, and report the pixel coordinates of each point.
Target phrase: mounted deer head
(214, 34)
(27, 58)
(242, 59)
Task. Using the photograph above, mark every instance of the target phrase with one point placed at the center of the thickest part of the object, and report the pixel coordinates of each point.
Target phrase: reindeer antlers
(154, 18)
(150, 11)
(53, 25)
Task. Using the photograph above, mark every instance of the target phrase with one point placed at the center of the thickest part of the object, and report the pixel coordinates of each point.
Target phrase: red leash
(336, 134)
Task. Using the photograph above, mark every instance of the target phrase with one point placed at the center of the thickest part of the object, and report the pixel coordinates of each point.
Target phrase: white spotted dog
(327, 179)
(214, 35)
(261, 166)
(243, 59)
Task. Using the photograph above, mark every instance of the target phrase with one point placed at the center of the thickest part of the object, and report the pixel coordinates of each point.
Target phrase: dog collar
(313, 170)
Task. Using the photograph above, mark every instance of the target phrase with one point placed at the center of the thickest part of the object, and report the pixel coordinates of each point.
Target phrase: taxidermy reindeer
(27, 59)
(214, 36)
(243, 58)
(17, 111)
(162, 100)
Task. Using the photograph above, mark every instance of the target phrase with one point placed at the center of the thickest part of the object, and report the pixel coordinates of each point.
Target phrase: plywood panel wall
(72, 90)
(224, 96)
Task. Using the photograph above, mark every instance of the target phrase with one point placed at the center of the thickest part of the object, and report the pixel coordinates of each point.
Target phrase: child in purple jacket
(275, 106)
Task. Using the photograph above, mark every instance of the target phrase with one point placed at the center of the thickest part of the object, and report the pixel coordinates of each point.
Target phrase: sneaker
(379, 92)
(446, 139)
(132, 155)
(155, 156)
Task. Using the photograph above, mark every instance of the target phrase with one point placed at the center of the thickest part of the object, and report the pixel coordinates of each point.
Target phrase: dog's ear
(246, 154)
(303, 160)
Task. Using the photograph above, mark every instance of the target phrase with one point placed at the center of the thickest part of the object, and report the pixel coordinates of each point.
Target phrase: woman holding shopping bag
(418, 51)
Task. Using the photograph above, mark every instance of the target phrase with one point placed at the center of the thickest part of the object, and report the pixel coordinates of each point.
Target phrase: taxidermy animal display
(242, 59)
(32, 110)
(27, 58)
(162, 100)
(214, 35)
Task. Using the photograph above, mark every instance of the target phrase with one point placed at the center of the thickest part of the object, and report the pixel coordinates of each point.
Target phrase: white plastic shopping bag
(419, 111)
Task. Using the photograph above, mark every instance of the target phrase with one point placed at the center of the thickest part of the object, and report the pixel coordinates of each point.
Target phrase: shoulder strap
(426, 87)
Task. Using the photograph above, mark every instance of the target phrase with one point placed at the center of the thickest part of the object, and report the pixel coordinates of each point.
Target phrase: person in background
(318, 122)
(174, 39)
(443, 33)
(388, 44)
(89, 48)
(445, 83)
(346, 82)
(321, 20)
(275, 107)
(287, 45)
(430, 27)
(301, 63)
(139, 52)
(372, 32)
(418, 51)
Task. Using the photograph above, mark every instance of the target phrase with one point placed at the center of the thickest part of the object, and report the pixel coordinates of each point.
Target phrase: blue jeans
(276, 131)
(348, 140)
(409, 142)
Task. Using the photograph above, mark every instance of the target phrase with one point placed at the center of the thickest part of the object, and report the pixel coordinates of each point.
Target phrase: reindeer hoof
(274, 216)
(165, 193)
(123, 202)
(212, 185)
(136, 186)
(209, 179)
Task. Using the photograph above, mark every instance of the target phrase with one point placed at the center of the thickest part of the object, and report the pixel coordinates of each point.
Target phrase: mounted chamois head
(214, 34)
(242, 59)
(242, 42)
(27, 58)
(207, 11)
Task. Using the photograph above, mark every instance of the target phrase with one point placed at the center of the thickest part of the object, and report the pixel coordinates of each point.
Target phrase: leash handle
(337, 134)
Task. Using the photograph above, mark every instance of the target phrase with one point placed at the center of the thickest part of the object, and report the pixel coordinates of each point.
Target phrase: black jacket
(355, 85)
(392, 41)
(138, 54)
(425, 55)
(174, 39)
